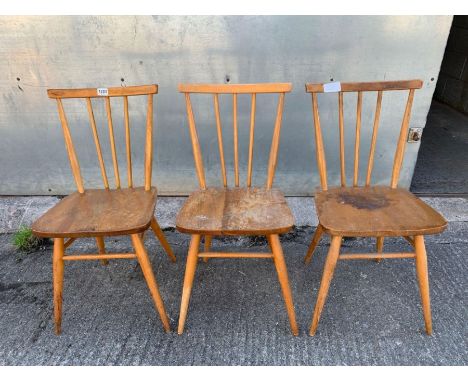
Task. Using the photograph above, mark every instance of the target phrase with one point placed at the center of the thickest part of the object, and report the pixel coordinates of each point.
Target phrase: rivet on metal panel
(19, 87)
(414, 134)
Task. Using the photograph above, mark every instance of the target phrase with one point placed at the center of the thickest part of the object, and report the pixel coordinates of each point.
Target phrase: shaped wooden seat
(99, 213)
(370, 211)
(235, 211)
(105, 212)
(375, 211)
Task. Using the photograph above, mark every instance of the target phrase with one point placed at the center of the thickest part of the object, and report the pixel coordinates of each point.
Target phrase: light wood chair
(105, 212)
(370, 211)
(236, 210)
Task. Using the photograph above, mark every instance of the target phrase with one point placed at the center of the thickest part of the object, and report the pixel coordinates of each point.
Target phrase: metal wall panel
(37, 53)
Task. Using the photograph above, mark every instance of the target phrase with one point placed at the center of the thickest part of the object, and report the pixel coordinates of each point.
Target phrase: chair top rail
(103, 92)
(236, 88)
(368, 86)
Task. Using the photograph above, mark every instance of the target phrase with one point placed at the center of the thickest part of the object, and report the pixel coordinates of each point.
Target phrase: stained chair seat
(376, 211)
(235, 211)
(99, 212)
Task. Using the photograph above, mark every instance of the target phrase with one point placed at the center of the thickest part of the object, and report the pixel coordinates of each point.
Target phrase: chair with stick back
(370, 211)
(106, 212)
(248, 211)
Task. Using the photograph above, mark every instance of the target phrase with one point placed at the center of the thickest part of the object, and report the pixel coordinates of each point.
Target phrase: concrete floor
(237, 317)
(442, 165)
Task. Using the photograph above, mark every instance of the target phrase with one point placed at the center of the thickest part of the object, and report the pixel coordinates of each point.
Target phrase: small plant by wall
(24, 240)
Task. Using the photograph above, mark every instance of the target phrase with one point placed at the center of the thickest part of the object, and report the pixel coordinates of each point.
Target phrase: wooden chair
(370, 211)
(238, 210)
(104, 212)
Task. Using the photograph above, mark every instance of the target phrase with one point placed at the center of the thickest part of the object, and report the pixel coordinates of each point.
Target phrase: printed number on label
(102, 92)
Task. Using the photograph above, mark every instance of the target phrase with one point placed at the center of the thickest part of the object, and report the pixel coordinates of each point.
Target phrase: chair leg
(328, 270)
(57, 270)
(270, 246)
(207, 245)
(282, 271)
(190, 269)
(315, 240)
(147, 270)
(162, 239)
(423, 279)
(379, 246)
(269, 243)
(102, 249)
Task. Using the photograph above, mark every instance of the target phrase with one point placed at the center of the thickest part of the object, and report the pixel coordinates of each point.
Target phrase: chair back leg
(145, 265)
(315, 240)
(379, 246)
(102, 249)
(162, 239)
(282, 271)
(208, 239)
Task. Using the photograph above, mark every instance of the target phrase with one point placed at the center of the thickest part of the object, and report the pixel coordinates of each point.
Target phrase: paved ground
(237, 316)
(442, 166)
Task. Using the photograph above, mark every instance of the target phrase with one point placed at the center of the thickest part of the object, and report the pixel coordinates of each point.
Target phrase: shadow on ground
(442, 165)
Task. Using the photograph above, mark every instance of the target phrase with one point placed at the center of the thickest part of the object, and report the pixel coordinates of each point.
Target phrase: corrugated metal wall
(37, 53)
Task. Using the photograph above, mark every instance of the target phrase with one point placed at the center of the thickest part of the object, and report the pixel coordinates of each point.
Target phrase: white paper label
(332, 87)
(102, 92)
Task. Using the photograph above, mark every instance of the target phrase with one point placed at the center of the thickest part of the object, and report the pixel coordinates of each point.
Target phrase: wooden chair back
(106, 94)
(235, 89)
(360, 88)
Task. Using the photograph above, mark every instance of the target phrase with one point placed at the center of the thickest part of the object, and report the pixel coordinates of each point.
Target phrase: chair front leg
(330, 264)
(147, 270)
(57, 271)
(162, 239)
(190, 269)
(315, 240)
(282, 271)
(423, 279)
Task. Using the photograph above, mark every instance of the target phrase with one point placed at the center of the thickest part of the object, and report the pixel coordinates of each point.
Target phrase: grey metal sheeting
(94, 51)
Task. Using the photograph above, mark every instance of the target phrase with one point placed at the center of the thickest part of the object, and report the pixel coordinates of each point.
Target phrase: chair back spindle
(235, 90)
(128, 144)
(89, 106)
(107, 93)
(360, 88)
(251, 139)
(220, 139)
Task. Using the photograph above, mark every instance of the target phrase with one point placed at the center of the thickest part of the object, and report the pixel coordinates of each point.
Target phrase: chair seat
(376, 211)
(235, 211)
(99, 213)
